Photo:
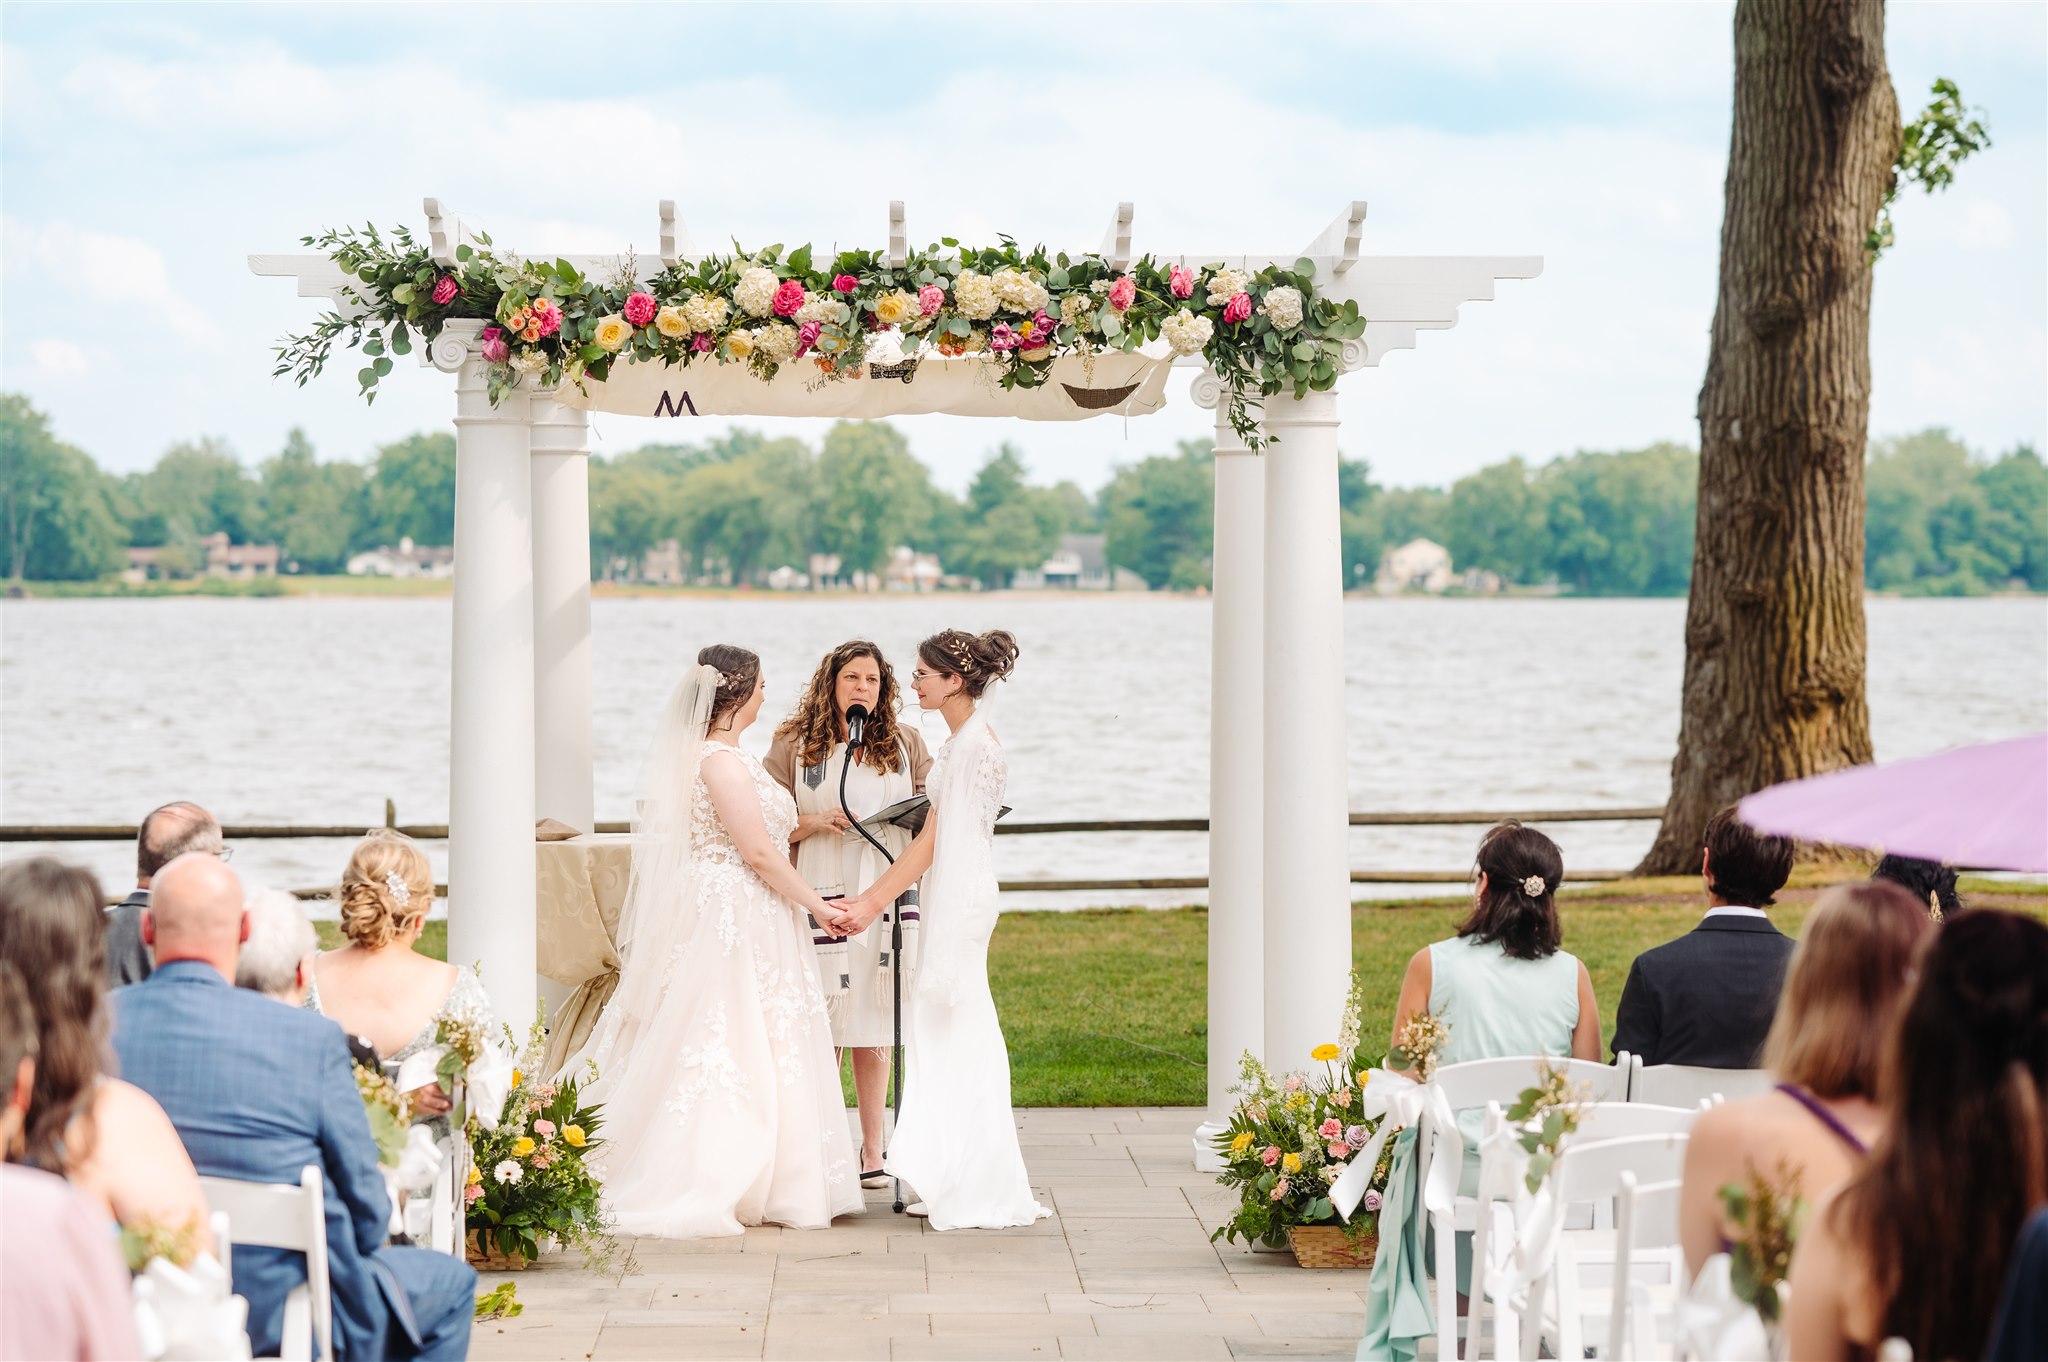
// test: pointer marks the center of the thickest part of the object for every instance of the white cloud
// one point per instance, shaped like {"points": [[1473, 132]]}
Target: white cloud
{"points": [[121, 271], [55, 360]]}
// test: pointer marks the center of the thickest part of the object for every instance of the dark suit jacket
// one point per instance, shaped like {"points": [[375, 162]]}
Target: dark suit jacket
{"points": [[128, 960], [1706, 998], [257, 1090]]}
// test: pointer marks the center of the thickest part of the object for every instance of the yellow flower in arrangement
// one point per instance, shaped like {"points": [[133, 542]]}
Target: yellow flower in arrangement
{"points": [[522, 1146], [739, 344], [476, 1175], [516, 1076], [1324, 1052], [671, 323], [1363, 1075], [1290, 1163], [1243, 1142], [891, 309], [573, 1135], [613, 332]]}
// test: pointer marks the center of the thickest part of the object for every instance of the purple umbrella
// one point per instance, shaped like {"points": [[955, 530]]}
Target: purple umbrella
{"points": [[1982, 807]]}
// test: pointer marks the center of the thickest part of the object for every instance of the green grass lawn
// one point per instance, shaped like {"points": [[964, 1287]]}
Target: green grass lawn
{"points": [[1108, 1006]]}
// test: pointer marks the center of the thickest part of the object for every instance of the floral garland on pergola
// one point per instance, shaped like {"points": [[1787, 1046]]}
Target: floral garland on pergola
{"points": [[1263, 333]]}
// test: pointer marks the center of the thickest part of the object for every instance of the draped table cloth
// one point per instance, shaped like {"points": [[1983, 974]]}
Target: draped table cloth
{"points": [[581, 885]]}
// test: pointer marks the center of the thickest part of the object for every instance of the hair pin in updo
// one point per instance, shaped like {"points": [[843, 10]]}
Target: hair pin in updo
{"points": [[718, 678], [1533, 886], [395, 882]]}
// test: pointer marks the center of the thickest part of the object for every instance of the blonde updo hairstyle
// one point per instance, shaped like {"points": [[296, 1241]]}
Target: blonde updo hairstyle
{"points": [[977, 659], [373, 914]]}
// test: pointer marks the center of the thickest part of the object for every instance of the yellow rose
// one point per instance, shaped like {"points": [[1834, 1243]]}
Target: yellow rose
{"points": [[573, 1135], [515, 1078], [521, 1147], [1242, 1142], [1290, 1163], [669, 322], [892, 308], [476, 1175], [739, 345], [1363, 1075], [1324, 1052], [613, 332]]}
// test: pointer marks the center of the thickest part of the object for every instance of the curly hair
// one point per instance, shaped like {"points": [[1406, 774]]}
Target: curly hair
{"points": [[372, 913], [816, 724], [977, 659], [741, 670], [53, 931]]}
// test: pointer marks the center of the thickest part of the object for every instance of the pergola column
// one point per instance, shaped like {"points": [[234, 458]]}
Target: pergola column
{"points": [[1307, 875], [1237, 607], [491, 728], [561, 613]]}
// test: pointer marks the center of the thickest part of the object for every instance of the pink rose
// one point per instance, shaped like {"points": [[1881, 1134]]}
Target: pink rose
{"points": [[1238, 308], [493, 346], [445, 289], [930, 299], [1331, 1129], [1372, 1201], [807, 336], [1123, 293], [1002, 338], [547, 318], [473, 1194], [789, 298], [845, 283], [1339, 1150], [701, 342], [1270, 1155], [640, 308], [544, 1128], [1180, 282]]}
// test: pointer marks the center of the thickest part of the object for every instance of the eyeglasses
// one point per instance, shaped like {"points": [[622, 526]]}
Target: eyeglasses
{"points": [[922, 675], [226, 853]]}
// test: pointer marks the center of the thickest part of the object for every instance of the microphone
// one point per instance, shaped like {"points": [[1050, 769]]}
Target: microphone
{"points": [[856, 724]]}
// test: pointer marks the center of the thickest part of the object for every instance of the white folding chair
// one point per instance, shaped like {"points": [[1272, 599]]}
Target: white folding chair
{"points": [[1591, 1172], [1645, 1226], [1688, 1085], [281, 1216], [1472, 1085]]}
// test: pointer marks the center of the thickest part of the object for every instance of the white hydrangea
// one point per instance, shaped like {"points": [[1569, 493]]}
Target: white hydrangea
{"points": [[508, 1172], [1186, 332], [775, 343], [706, 311], [1077, 311], [974, 296], [530, 362], [1283, 307], [1018, 291], [755, 293], [823, 307], [1227, 284]]}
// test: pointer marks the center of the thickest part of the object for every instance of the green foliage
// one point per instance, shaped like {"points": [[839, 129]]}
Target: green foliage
{"points": [[56, 507], [1768, 1217], [1158, 516], [1009, 526], [313, 511], [500, 1302], [411, 492], [870, 491], [1941, 522], [1942, 137]]}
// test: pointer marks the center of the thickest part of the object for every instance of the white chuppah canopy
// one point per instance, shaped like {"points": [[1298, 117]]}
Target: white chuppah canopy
{"points": [[1279, 864]]}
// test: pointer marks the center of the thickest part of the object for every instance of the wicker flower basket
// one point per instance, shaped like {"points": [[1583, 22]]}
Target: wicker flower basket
{"points": [[490, 1259], [1330, 1246]]}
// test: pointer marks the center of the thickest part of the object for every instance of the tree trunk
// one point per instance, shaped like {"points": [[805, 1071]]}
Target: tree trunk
{"points": [[1774, 633]]}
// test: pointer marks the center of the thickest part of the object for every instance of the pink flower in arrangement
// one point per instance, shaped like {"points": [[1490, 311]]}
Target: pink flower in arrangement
{"points": [[930, 299], [547, 318], [640, 308], [1279, 1190], [1238, 308], [1270, 1155], [445, 289], [545, 1093], [1339, 1150], [807, 336], [473, 1193], [1293, 1083], [845, 283], [544, 1128], [789, 298], [1356, 1136], [701, 342], [1180, 281], [493, 346], [1123, 293], [1344, 1097], [1372, 1201], [1331, 1129], [1001, 338]]}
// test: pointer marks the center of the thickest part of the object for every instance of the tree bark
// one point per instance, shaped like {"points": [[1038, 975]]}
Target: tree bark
{"points": [[1774, 630]]}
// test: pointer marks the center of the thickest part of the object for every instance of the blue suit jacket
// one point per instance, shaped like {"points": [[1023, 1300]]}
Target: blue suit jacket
{"points": [[258, 1090]]}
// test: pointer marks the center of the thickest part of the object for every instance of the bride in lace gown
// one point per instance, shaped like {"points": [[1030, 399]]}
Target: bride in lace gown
{"points": [[721, 1099], [956, 1141]]}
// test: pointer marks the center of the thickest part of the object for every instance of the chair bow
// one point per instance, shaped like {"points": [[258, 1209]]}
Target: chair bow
{"points": [[1395, 1100], [489, 1079]]}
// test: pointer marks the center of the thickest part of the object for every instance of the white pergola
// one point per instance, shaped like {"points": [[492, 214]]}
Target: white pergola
{"points": [[520, 727]]}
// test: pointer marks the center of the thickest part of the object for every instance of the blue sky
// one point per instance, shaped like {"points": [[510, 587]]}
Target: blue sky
{"points": [[146, 151]]}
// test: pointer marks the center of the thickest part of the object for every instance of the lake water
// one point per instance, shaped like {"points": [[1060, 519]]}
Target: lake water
{"points": [[307, 710]]}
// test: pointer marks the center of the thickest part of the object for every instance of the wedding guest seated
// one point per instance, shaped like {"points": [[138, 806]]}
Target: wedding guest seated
{"points": [[63, 1286], [277, 959], [166, 834], [259, 1092], [1933, 883], [2020, 1333], [1848, 978], [108, 1138], [378, 986], [1708, 997], [1917, 1244]]}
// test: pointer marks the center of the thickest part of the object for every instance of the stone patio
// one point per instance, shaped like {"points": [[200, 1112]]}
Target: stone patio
{"points": [[1123, 1270]]}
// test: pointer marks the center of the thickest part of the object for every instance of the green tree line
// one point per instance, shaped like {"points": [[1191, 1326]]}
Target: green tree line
{"points": [[1941, 520]]}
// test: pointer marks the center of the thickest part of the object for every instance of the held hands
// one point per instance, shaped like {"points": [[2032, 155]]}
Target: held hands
{"points": [[857, 912]]}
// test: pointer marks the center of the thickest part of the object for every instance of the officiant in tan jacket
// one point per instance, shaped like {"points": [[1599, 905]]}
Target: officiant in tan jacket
{"points": [[805, 759]]}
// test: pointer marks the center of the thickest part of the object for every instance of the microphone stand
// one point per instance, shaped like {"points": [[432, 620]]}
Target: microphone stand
{"points": [[895, 952]]}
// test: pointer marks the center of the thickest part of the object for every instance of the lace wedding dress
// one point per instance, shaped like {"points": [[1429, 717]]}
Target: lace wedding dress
{"points": [[721, 1100], [956, 1141]]}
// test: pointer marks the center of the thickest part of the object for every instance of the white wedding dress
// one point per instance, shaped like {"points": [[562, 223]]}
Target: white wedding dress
{"points": [[956, 1141], [721, 1100]]}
